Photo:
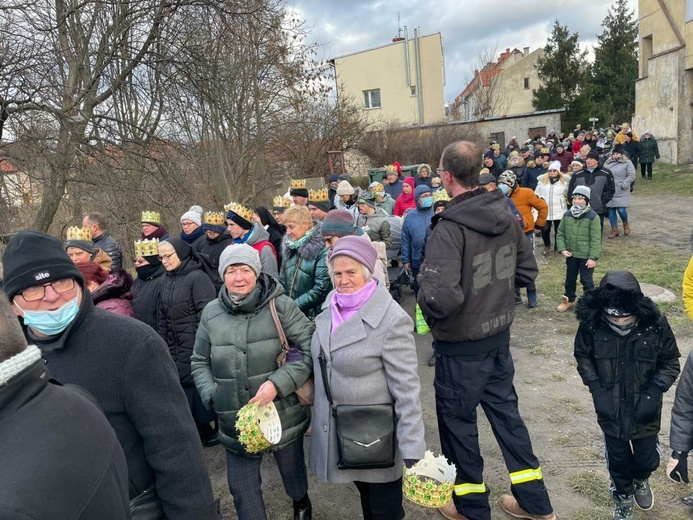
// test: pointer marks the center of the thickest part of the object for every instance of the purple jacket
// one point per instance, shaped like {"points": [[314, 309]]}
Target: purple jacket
{"points": [[115, 294]]}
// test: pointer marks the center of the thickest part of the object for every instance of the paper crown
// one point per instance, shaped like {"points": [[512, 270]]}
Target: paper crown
{"points": [[214, 218], [227, 207], [441, 195], [240, 210], [151, 216], [319, 195], [281, 202], [147, 247], [298, 184], [391, 168], [495, 146], [544, 151], [78, 233], [483, 171], [258, 427], [430, 482]]}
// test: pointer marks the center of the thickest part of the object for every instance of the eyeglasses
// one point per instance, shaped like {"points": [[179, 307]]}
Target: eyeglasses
{"points": [[33, 294], [166, 257], [330, 242], [187, 224], [440, 171]]}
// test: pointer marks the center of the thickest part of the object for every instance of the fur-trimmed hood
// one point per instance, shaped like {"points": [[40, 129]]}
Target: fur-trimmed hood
{"points": [[620, 290], [311, 249], [117, 285]]}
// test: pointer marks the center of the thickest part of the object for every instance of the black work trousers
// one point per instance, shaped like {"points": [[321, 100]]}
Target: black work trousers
{"points": [[630, 460], [461, 385], [381, 500]]}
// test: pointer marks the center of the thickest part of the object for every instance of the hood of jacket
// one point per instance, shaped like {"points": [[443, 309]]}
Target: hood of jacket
{"points": [[311, 249], [259, 234], [420, 190], [621, 290], [485, 212], [267, 288], [117, 285]]}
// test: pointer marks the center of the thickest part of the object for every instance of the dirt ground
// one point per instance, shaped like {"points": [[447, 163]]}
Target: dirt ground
{"points": [[554, 403]]}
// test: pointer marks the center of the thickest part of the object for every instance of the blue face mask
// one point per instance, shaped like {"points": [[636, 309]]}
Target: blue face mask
{"points": [[427, 202], [51, 323], [504, 188]]}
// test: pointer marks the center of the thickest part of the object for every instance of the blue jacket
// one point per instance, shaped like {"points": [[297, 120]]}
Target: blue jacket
{"points": [[416, 222]]}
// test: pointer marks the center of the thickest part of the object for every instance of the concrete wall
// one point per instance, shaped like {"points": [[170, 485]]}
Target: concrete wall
{"points": [[385, 68]]}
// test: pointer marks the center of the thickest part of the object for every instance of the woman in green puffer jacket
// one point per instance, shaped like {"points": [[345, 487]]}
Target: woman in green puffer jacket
{"points": [[235, 363], [304, 262]]}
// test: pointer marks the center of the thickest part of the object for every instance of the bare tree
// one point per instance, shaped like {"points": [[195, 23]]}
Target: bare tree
{"points": [[484, 96]]}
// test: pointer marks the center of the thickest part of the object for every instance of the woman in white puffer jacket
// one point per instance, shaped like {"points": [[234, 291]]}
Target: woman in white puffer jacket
{"points": [[552, 186]]}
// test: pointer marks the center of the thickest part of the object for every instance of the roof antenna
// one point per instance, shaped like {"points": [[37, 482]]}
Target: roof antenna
{"points": [[399, 28]]}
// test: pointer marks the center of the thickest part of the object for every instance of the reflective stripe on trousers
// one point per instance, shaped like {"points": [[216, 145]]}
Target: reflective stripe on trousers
{"points": [[526, 475], [467, 488]]}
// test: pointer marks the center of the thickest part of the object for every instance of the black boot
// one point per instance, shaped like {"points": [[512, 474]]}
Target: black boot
{"points": [[303, 509]]}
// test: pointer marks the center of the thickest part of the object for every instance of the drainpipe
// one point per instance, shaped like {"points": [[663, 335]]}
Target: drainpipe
{"points": [[406, 55], [417, 54]]}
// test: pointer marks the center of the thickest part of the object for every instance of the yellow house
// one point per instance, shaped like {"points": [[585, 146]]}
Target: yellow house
{"points": [[664, 88], [401, 82]]}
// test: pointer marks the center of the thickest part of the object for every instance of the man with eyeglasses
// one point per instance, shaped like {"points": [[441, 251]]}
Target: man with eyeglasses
{"points": [[123, 363]]}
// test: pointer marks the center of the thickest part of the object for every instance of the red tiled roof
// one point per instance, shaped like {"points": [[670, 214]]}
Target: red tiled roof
{"points": [[7, 167]]}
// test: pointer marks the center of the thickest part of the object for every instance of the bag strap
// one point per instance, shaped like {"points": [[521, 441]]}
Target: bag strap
{"points": [[281, 359], [323, 370], [291, 290]]}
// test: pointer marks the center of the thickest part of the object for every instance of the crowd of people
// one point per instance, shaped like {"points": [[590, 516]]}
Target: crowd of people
{"points": [[163, 363]]}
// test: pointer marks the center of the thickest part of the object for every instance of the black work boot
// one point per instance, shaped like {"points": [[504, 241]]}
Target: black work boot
{"points": [[303, 509]]}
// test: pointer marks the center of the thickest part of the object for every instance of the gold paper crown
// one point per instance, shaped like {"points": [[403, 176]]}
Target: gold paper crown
{"points": [[258, 427], [214, 218], [151, 216], [147, 247], [298, 184], [544, 151], [495, 147], [391, 168], [441, 195], [281, 202], [227, 207], [319, 195], [240, 210], [78, 233], [430, 482], [483, 171]]}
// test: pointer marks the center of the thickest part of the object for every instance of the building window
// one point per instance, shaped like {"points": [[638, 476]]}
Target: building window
{"points": [[645, 55], [413, 90], [371, 98], [526, 83]]}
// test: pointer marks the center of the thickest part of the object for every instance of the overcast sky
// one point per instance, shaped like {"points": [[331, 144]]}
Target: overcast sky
{"points": [[468, 27]]}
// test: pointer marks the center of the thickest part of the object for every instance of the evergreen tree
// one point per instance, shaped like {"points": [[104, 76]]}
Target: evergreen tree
{"points": [[615, 66], [563, 73]]}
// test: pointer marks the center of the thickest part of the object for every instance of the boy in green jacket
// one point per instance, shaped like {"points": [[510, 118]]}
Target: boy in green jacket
{"points": [[579, 240]]}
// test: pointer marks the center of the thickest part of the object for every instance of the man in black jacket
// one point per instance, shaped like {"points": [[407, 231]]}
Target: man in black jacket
{"points": [[473, 258], [60, 458], [627, 356], [599, 179], [123, 363], [102, 238]]}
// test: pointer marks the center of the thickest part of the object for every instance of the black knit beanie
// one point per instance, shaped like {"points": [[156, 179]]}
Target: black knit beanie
{"points": [[322, 205], [34, 258], [237, 219]]}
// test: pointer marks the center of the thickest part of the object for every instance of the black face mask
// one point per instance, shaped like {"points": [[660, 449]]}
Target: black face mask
{"points": [[144, 272]]}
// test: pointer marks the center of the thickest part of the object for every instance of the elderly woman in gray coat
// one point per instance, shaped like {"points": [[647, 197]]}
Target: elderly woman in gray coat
{"points": [[370, 358], [624, 175]]}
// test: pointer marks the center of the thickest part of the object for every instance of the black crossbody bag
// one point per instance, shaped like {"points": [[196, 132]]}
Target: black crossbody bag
{"points": [[365, 432]]}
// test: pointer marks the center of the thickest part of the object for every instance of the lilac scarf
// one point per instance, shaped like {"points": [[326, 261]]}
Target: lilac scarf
{"points": [[344, 306]]}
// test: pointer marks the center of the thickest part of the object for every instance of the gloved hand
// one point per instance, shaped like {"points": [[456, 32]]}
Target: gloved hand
{"points": [[677, 467], [648, 407], [411, 462], [293, 355]]}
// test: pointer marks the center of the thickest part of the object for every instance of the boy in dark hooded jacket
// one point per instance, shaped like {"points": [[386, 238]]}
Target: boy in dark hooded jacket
{"points": [[627, 355]]}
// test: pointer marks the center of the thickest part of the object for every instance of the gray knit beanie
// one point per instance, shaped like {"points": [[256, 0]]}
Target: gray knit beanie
{"points": [[192, 216], [239, 254]]}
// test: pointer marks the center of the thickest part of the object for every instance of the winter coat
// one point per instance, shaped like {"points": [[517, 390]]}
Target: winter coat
{"points": [[624, 174], [102, 259], [414, 235], [387, 204], [370, 359], [304, 273], [108, 245], [600, 181], [126, 366], [501, 161], [394, 190], [564, 158], [580, 236], [621, 137], [681, 433], [352, 208], [212, 248], [531, 176], [526, 200], [377, 227], [146, 301], [396, 233], [554, 194], [649, 151], [60, 458], [470, 314], [633, 150], [268, 257], [236, 350], [422, 181], [625, 373], [115, 294], [184, 293], [688, 289], [404, 202]]}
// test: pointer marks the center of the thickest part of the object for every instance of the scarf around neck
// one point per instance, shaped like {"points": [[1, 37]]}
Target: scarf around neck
{"points": [[245, 237], [17, 363], [291, 244], [578, 211], [191, 237], [344, 306]]}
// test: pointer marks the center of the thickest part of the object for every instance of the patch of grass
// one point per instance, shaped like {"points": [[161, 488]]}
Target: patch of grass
{"points": [[591, 513], [529, 381], [541, 351], [557, 378], [667, 179], [585, 453], [592, 485], [569, 404]]}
